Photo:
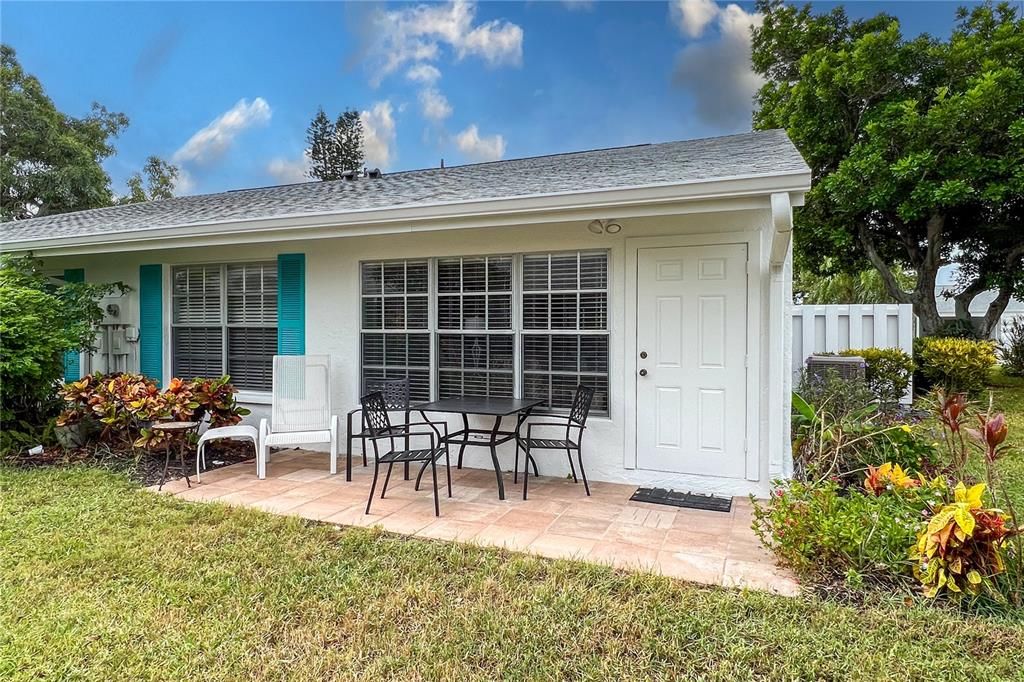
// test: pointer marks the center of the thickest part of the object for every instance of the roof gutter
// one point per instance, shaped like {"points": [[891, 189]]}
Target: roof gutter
{"points": [[438, 215]]}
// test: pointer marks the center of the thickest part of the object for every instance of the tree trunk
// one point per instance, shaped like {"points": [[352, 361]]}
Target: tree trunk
{"points": [[995, 312]]}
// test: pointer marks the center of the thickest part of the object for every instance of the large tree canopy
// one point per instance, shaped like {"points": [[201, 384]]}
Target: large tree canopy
{"points": [[51, 162], [916, 146]]}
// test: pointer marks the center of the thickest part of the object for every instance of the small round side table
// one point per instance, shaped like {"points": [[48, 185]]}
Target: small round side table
{"points": [[177, 433]]}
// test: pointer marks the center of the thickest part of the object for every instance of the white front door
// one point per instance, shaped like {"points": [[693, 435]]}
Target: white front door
{"points": [[691, 383]]}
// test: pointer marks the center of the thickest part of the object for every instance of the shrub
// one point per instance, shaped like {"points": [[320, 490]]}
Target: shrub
{"points": [[840, 395], [40, 321], [956, 365], [1011, 351], [126, 405], [961, 549], [887, 373], [824, 532]]}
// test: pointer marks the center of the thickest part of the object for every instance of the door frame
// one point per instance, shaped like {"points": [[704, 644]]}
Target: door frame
{"points": [[752, 239]]}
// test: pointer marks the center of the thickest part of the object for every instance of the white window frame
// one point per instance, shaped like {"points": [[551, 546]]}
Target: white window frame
{"points": [[224, 325]]}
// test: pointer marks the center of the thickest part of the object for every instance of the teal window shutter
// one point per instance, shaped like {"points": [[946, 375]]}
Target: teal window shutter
{"points": [[291, 304], [73, 359], [151, 322]]}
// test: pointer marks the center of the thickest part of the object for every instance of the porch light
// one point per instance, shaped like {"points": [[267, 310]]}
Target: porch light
{"points": [[596, 226], [613, 228]]}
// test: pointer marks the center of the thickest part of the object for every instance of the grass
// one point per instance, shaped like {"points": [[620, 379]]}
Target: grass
{"points": [[102, 580]]}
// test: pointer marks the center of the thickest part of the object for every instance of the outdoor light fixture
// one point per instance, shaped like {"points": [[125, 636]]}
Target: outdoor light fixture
{"points": [[602, 227]]}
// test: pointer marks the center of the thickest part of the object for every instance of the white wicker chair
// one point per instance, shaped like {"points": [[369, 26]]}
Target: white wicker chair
{"points": [[301, 410]]}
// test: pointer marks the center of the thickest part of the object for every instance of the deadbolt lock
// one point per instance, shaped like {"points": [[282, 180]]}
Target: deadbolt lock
{"points": [[643, 355]]}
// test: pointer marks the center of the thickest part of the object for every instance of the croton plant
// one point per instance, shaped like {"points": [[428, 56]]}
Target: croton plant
{"points": [[127, 404]]}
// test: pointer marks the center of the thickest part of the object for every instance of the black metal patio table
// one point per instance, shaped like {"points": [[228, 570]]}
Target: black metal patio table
{"points": [[498, 408]]}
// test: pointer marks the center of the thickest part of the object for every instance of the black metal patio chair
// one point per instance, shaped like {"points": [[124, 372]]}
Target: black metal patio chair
{"points": [[396, 398], [576, 419], [378, 423]]}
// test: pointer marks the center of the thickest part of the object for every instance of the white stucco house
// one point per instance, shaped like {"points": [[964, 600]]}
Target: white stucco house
{"points": [[658, 274]]}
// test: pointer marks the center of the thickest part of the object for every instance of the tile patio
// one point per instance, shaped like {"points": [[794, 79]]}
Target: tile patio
{"points": [[558, 521]]}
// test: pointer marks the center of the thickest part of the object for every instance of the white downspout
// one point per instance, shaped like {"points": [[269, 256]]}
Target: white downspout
{"points": [[780, 337]]}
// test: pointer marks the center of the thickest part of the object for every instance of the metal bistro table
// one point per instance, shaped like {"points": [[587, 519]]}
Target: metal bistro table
{"points": [[489, 438]]}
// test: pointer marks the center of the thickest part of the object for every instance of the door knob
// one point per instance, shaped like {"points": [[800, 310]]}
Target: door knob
{"points": [[643, 372]]}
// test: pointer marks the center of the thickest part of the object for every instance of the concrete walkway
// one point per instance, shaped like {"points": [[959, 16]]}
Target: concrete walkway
{"points": [[558, 521]]}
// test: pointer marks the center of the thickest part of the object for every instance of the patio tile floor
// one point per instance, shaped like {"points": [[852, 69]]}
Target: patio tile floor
{"points": [[558, 521]]}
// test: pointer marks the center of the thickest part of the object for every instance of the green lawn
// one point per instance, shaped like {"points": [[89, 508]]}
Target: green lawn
{"points": [[102, 580], [1008, 396]]}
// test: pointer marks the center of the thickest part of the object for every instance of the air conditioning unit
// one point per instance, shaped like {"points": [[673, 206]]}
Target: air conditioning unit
{"points": [[847, 367]]}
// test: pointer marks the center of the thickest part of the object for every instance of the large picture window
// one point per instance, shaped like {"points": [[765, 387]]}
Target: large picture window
{"points": [[533, 326], [224, 321]]}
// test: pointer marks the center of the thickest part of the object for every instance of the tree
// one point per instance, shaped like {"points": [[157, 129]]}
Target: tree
{"points": [[334, 147], [159, 183], [915, 146], [40, 320], [51, 162], [864, 287]]}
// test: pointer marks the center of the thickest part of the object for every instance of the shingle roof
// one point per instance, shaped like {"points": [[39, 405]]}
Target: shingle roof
{"points": [[758, 153]]}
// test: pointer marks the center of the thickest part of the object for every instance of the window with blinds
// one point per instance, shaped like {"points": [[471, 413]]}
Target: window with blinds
{"points": [[224, 321], [533, 326], [565, 327], [475, 339], [395, 334]]}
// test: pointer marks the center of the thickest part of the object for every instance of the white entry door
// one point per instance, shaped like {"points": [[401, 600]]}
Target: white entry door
{"points": [[691, 382]]}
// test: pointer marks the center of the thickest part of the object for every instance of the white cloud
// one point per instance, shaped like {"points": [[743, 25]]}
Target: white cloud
{"points": [[416, 34], [479, 148], [427, 74], [289, 171], [694, 15], [717, 72], [212, 141], [378, 134], [184, 184], [435, 106]]}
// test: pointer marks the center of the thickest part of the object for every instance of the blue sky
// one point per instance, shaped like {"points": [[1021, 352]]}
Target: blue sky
{"points": [[226, 90]]}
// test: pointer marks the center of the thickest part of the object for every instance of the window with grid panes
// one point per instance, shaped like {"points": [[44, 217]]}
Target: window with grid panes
{"points": [[224, 321], [395, 334], [475, 338], [565, 327]]}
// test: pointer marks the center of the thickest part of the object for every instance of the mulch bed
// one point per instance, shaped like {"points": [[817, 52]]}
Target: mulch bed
{"points": [[141, 466]]}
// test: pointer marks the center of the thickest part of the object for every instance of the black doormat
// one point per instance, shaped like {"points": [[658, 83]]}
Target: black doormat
{"points": [[687, 500]]}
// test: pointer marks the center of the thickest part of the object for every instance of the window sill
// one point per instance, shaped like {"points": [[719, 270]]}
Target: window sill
{"points": [[254, 397]]}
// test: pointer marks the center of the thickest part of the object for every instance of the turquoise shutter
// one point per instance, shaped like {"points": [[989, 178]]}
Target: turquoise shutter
{"points": [[151, 322], [291, 304], [73, 359]]}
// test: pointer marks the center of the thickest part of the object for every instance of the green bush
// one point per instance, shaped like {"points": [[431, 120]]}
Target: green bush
{"points": [[887, 373], [40, 321], [1011, 352], [823, 531], [956, 365]]}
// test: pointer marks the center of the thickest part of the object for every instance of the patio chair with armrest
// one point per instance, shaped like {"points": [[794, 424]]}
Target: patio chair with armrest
{"points": [[396, 399], [575, 420], [378, 423]]}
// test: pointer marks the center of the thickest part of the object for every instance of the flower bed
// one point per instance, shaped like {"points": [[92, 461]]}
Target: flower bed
{"points": [[878, 501]]}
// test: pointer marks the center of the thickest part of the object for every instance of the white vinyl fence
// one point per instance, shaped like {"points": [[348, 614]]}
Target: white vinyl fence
{"points": [[835, 328]]}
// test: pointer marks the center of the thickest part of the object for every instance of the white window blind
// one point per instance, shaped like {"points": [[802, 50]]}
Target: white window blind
{"points": [[224, 321], [395, 316], [565, 327], [532, 326], [474, 320]]}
